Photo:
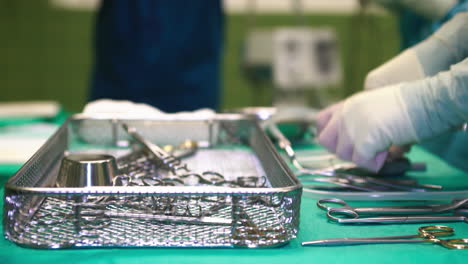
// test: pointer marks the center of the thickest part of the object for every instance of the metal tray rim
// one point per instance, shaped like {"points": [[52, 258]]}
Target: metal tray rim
{"points": [[152, 190], [186, 190]]}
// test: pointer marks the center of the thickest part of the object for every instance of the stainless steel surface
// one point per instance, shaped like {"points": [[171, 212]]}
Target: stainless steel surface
{"points": [[256, 205], [86, 170]]}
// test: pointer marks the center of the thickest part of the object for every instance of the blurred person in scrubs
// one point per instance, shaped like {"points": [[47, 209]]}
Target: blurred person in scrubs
{"points": [[420, 96], [163, 53], [420, 18]]}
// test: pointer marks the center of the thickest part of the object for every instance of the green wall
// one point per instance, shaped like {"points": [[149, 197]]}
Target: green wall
{"points": [[45, 53]]}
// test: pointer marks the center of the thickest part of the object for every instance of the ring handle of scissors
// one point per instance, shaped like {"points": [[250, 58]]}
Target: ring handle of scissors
{"points": [[212, 177], [322, 203], [431, 233], [172, 181], [207, 177], [334, 213], [120, 180], [435, 230], [456, 243], [151, 181], [251, 181]]}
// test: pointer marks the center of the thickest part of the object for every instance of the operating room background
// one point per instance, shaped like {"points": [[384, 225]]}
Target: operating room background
{"points": [[46, 52]]}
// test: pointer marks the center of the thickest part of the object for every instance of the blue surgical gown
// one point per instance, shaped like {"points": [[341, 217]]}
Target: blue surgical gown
{"points": [[415, 28], [165, 53]]}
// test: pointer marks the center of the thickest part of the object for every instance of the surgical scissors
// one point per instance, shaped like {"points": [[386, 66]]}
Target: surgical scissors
{"points": [[366, 184], [411, 209], [426, 233], [351, 215]]}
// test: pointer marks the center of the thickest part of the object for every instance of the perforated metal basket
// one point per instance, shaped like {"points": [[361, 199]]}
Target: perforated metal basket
{"points": [[39, 214]]}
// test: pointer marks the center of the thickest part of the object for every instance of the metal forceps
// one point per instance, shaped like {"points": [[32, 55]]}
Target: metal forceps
{"points": [[426, 234], [169, 162], [367, 183], [163, 158], [398, 214], [96, 217]]}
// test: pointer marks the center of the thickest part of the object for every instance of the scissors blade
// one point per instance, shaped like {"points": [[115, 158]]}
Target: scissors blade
{"points": [[386, 183], [357, 241], [399, 219], [454, 205], [400, 210], [328, 188], [340, 182]]}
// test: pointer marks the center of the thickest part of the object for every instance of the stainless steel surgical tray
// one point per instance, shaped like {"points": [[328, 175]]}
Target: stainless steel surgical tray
{"points": [[39, 214]]}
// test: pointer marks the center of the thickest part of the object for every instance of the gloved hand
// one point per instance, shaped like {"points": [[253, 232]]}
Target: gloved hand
{"points": [[338, 126], [364, 126], [444, 48]]}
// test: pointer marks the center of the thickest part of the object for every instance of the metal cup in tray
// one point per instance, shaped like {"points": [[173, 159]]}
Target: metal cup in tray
{"points": [[86, 170]]}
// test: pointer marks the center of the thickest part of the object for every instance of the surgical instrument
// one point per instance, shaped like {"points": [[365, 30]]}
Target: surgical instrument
{"points": [[181, 173], [425, 233], [362, 183], [100, 218], [402, 210], [286, 145], [366, 183], [183, 150], [393, 184], [351, 215], [355, 219], [163, 158]]}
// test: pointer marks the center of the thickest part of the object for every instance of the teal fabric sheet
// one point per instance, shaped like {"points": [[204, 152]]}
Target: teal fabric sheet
{"points": [[314, 225]]}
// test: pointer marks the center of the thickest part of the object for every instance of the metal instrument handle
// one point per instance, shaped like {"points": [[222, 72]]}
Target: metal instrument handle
{"points": [[353, 218], [403, 210], [427, 233], [356, 241]]}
